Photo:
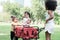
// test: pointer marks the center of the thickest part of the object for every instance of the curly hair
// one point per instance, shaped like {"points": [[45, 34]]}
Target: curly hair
{"points": [[50, 5]]}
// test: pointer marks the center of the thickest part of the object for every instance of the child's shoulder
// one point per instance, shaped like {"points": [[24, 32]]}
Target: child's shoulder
{"points": [[12, 22]]}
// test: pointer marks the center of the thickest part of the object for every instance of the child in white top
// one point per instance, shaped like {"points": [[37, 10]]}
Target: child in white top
{"points": [[49, 24], [26, 19]]}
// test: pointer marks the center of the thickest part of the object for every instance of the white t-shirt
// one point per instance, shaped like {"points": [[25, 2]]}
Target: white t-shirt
{"points": [[25, 20], [50, 24]]}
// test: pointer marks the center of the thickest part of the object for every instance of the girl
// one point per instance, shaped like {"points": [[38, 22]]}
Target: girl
{"points": [[14, 23], [49, 24], [26, 19]]}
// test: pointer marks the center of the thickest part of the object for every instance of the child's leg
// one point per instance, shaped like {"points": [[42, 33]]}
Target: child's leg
{"points": [[12, 35], [26, 39], [16, 38], [48, 36]]}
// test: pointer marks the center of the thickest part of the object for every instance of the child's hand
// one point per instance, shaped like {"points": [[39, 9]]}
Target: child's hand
{"points": [[46, 21]]}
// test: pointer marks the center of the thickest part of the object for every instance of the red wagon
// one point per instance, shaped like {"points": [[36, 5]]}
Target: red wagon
{"points": [[27, 32]]}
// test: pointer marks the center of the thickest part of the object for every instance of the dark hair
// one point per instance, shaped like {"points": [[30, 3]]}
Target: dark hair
{"points": [[27, 13], [13, 17], [51, 5]]}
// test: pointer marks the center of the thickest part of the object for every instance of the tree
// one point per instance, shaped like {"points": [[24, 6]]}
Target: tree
{"points": [[29, 10], [13, 8], [57, 18], [38, 9]]}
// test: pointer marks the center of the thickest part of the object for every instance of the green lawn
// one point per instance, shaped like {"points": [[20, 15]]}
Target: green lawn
{"points": [[5, 29]]}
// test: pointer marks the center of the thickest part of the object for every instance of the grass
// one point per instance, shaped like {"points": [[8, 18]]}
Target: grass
{"points": [[5, 29]]}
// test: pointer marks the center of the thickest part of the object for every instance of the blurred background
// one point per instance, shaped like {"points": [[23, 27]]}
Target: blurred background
{"points": [[16, 8]]}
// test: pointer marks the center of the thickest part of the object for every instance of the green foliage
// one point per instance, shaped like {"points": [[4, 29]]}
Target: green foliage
{"points": [[38, 9], [57, 18], [13, 8], [29, 10]]}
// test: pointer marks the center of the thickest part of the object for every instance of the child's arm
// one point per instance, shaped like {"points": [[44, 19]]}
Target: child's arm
{"points": [[51, 15], [12, 27], [29, 21]]}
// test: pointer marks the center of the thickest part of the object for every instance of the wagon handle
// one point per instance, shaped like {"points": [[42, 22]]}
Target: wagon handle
{"points": [[41, 29]]}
